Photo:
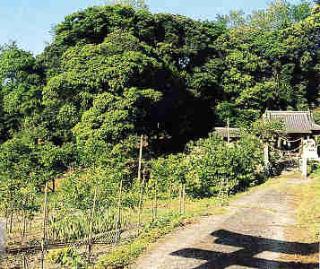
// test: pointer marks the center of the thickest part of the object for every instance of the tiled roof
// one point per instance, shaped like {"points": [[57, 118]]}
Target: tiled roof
{"points": [[294, 121], [223, 131]]}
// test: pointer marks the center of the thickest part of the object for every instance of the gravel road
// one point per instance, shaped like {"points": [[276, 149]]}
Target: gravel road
{"points": [[249, 235]]}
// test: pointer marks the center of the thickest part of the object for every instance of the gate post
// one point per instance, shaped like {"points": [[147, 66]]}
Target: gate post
{"points": [[304, 167], [266, 157]]}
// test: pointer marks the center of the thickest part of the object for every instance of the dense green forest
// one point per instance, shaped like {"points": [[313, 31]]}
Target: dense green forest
{"points": [[113, 73]]}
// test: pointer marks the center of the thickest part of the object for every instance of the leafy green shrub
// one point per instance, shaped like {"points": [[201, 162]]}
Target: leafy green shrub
{"points": [[71, 225], [210, 166], [77, 189], [125, 254], [217, 165], [66, 258], [169, 173]]}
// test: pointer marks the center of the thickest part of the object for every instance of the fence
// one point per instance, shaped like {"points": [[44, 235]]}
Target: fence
{"points": [[29, 239]]}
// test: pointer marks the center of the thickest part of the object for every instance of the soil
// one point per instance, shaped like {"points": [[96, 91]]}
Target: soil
{"points": [[251, 234]]}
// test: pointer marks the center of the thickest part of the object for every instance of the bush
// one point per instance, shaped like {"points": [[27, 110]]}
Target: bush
{"points": [[211, 165], [66, 258]]}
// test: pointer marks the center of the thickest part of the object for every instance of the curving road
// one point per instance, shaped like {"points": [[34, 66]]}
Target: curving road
{"points": [[250, 235]]}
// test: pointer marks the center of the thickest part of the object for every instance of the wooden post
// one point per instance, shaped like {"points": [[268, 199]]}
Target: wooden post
{"points": [[6, 214], [140, 204], [91, 225], [141, 183], [228, 129], [53, 185], [25, 266], [304, 167], [180, 199], [184, 198], [155, 205], [24, 230], [222, 186], [227, 187], [44, 226], [118, 225], [11, 221], [266, 157], [140, 158], [319, 250]]}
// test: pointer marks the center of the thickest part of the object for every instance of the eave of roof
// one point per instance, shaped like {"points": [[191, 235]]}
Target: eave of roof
{"points": [[295, 122]]}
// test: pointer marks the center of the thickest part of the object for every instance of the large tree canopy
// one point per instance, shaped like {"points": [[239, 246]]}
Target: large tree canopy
{"points": [[114, 72]]}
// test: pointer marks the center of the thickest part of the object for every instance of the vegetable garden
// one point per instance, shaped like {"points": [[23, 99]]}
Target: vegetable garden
{"points": [[94, 216]]}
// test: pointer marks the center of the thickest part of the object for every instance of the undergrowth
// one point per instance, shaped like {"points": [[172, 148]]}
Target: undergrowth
{"points": [[125, 254]]}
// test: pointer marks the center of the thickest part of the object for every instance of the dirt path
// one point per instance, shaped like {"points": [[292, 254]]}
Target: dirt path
{"points": [[249, 235]]}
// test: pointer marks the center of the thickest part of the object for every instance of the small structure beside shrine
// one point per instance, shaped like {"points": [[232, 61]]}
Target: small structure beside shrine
{"points": [[228, 133]]}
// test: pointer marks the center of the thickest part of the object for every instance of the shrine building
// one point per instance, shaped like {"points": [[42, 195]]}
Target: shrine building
{"points": [[298, 133]]}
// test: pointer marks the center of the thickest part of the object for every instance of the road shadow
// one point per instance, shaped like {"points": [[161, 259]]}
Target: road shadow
{"points": [[249, 247]]}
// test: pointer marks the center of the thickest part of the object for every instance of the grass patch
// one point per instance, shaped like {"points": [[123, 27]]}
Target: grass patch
{"points": [[308, 211], [305, 201]]}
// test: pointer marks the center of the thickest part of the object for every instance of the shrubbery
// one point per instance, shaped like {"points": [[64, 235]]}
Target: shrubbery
{"points": [[212, 165], [67, 258]]}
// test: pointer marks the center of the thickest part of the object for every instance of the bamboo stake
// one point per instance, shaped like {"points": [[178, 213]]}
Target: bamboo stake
{"points": [[118, 224], [25, 264], [53, 185], [6, 214], [91, 224], [266, 157], [139, 180], [140, 204], [11, 221], [44, 227], [228, 129], [184, 198], [24, 232], [180, 199], [155, 209], [24, 225], [140, 158]]}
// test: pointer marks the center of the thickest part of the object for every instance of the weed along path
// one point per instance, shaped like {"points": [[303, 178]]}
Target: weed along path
{"points": [[251, 234]]}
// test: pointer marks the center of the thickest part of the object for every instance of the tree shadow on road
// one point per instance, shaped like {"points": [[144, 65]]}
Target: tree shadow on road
{"points": [[249, 247]]}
